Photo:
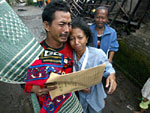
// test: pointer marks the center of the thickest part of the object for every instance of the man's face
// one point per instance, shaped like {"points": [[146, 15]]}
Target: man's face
{"points": [[60, 27], [101, 18]]}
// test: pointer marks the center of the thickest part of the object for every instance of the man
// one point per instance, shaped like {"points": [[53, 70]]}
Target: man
{"points": [[104, 37], [57, 58]]}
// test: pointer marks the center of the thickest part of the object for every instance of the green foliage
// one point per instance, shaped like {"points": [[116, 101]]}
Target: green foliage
{"points": [[134, 62], [7, 1], [29, 2]]}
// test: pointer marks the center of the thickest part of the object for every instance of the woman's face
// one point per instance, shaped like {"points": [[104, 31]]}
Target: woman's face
{"points": [[78, 40]]}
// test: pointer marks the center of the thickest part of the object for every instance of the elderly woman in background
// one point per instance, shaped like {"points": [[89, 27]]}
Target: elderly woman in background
{"points": [[91, 99]]}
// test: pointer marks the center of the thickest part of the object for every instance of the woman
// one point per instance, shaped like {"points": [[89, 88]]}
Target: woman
{"points": [[91, 99]]}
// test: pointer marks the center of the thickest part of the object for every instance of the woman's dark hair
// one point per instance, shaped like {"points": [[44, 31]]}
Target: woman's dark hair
{"points": [[52, 7], [79, 22]]}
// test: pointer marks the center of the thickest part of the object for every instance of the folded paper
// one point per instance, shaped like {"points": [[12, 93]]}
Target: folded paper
{"points": [[75, 81]]}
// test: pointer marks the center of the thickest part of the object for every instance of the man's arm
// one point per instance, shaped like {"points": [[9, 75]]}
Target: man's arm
{"points": [[114, 45], [111, 55]]}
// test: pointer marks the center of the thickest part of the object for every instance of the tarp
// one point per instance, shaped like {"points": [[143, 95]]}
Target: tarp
{"points": [[18, 47]]}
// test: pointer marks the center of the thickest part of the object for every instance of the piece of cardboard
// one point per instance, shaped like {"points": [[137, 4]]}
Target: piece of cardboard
{"points": [[75, 81]]}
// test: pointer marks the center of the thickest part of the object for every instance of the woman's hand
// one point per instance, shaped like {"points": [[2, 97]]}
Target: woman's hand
{"points": [[87, 90], [111, 83]]}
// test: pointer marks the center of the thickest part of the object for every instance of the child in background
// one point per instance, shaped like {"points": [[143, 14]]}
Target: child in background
{"points": [[40, 3], [35, 2], [146, 97]]}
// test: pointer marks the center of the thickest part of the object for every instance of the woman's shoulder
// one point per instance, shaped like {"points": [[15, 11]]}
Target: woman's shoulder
{"points": [[95, 51], [96, 56]]}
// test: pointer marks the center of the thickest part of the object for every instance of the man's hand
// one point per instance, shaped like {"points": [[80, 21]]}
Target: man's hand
{"points": [[111, 83], [87, 90], [41, 91]]}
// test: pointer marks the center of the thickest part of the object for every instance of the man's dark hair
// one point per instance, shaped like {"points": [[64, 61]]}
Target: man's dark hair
{"points": [[52, 7], [79, 22], [102, 7]]}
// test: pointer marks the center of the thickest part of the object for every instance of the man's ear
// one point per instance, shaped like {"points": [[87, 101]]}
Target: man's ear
{"points": [[46, 25]]}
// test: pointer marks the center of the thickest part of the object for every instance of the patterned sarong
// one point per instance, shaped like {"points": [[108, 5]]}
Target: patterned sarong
{"points": [[18, 47]]}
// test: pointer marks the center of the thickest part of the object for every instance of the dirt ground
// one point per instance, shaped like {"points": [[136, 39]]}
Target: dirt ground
{"points": [[126, 97], [14, 100]]}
